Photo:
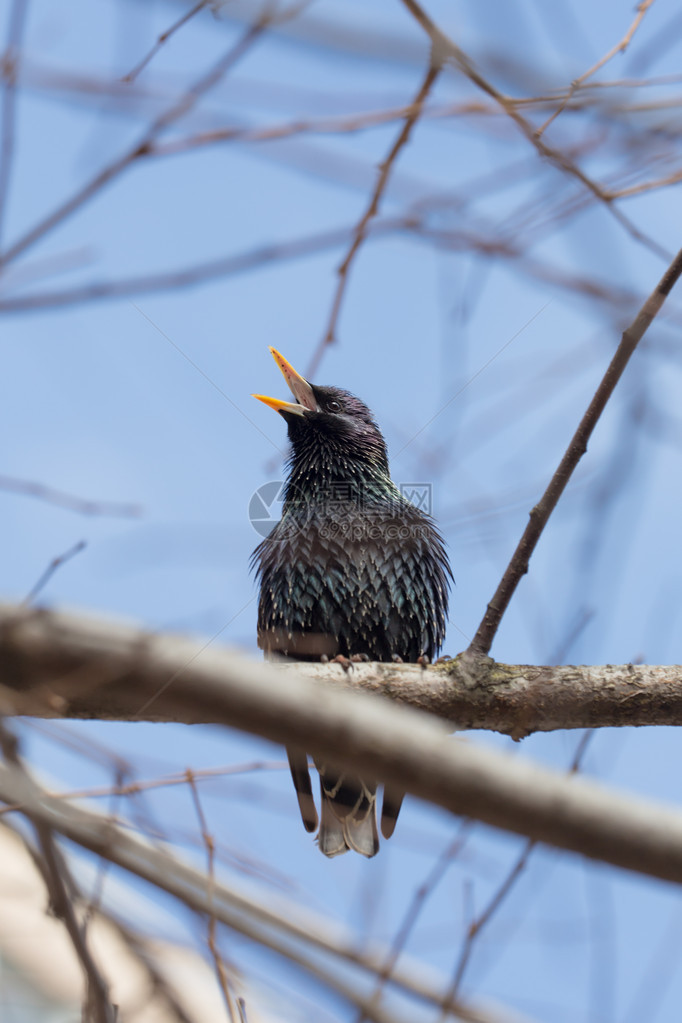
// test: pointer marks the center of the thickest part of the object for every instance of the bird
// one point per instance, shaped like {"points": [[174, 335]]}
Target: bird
{"points": [[351, 571]]}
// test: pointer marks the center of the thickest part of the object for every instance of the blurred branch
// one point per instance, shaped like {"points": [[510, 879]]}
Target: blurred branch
{"points": [[298, 935], [425, 889], [445, 49], [97, 1007], [57, 664], [197, 274], [620, 47], [454, 240], [78, 504], [56, 563], [346, 124], [360, 232], [500, 894], [9, 69], [163, 38], [127, 158], [207, 838], [539, 516]]}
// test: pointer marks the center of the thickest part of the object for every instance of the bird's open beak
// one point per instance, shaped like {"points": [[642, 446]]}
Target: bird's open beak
{"points": [[299, 387]]}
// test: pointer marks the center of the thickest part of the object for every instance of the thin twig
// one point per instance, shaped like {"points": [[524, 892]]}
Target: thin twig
{"points": [[360, 232], [620, 47], [481, 921], [346, 124], [139, 149], [163, 38], [284, 928], [187, 277], [56, 563], [460, 240], [207, 839], [647, 186], [539, 516], [82, 505], [444, 48], [9, 68], [97, 1007], [426, 888]]}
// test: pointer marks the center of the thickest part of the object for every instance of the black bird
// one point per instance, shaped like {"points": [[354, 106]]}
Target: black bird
{"points": [[352, 569]]}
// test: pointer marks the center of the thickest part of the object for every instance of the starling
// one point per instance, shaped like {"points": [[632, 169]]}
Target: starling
{"points": [[351, 570]]}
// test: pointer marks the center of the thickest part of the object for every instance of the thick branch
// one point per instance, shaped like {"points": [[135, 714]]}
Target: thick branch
{"points": [[45, 652], [56, 665]]}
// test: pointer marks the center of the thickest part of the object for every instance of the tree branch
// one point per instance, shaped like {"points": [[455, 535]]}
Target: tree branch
{"points": [[139, 149], [444, 48], [53, 661], [360, 232], [299, 935], [97, 1007], [58, 665], [539, 516]]}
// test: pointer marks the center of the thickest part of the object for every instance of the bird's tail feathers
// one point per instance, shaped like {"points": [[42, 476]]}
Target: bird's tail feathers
{"points": [[298, 765], [331, 839], [390, 808], [348, 815]]}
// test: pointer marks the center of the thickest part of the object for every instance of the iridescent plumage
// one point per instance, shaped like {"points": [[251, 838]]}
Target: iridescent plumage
{"points": [[352, 568]]}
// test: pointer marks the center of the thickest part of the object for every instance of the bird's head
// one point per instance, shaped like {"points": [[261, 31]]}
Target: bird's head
{"points": [[327, 422]]}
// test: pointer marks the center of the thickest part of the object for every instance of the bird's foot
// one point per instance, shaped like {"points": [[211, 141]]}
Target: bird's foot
{"points": [[359, 658], [397, 659], [424, 660], [345, 662]]}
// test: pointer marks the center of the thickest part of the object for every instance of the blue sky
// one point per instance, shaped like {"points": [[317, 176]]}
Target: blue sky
{"points": [[478, 368]]}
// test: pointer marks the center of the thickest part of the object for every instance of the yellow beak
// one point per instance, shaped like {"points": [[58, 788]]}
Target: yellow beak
{"points": [[299, 387]]}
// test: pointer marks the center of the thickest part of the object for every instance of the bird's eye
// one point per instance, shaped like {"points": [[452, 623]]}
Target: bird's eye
{"points": [[333, 406]]}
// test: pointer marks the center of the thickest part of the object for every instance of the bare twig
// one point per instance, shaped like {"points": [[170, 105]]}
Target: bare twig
{"points": [[445, 49], [428, 886], [347, 124], [620, 47], [97, 1007], [647, 186], [498, 897], [539, 516], [139, 149], [56, 563], [83, 505], [297, 935], [207, 839], [479, 922], [189, 276], [163, 38], [373, 208], [10, 73]]}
